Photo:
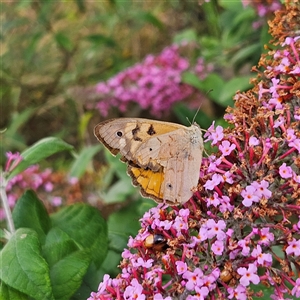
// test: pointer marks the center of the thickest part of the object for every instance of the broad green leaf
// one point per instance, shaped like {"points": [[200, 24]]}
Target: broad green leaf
{"points": [[68, 263], [39, 151], [85, 226], [58, 244], [91, 281], [122, 224], [30, 212], [22, 266], [67, 274], [80, 164], [9, 293]]}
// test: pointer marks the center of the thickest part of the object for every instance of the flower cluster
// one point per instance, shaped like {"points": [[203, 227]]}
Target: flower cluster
{"points": [[242, 226], [154, 84], [43, 181]]}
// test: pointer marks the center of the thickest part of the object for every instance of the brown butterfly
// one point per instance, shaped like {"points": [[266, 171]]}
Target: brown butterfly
{"points": [[163, 158]]}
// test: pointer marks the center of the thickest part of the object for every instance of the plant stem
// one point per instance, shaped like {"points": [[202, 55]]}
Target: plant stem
{"points": [[7, 210]]}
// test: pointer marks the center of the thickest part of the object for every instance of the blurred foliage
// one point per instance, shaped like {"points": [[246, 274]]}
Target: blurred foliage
{"points": [[49, 47]]}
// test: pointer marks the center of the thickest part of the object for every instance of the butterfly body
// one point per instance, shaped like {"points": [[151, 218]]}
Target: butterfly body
{"points": [[163, 158]]}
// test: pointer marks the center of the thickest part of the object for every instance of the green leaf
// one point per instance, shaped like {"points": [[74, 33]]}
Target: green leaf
{"points": [[193, 80], [231, 5], [19, 119], [22, 266], [68, 263], [30, 212], [119, 167], [39, 151], [213, 84], [63, 41], [91, 281], [100, 39], [187, 35], [186, 115], [230, 88], [122, 224], [31, 49], [81, 5], [83, 124], [8, 293], [119, 191], [246, 52], [80, 164], [148, 17], [85, 226]]}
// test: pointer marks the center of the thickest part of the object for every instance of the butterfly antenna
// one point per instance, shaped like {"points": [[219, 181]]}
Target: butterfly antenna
{"points": [[196, 114], [199, 108], [188, 120]]}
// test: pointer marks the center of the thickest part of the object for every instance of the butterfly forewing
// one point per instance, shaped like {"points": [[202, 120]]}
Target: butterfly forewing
{"points": [[163, 158]]}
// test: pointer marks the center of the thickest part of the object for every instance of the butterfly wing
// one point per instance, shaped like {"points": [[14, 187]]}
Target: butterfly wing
{"points": [[126, 135], [163, 158], [178, 155]]}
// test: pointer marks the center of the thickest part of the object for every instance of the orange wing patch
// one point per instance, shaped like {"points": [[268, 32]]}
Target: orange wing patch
{"points": [[150, 182]]}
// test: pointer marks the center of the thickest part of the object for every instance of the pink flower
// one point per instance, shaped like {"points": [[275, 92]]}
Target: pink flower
{"points": [[181, 267], [285, 171], [245, 246], [226, 148], [249, 196], [217, 247], [262, 258], [296, 289], [216, 135], [253, 141], [295, 143], [293, 247], [160, 297], [193, 278], [216, 229], [213, 200], [248, 275], [290, 135], [238, 293], [134, 291], [216, 179], [262, 189], [56, 201], [266, 236]]}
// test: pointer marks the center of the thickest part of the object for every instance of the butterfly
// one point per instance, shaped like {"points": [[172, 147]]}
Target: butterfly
{"points": [[162, 158]]}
